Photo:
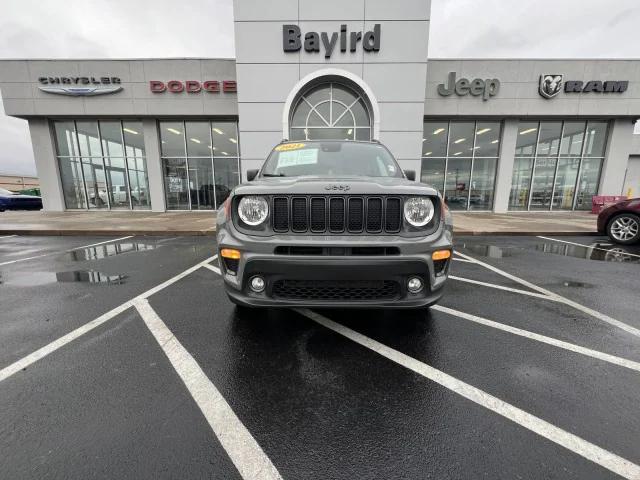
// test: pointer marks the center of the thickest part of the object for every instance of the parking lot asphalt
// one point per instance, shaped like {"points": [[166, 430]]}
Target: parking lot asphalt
{"points": [[123, 358]]}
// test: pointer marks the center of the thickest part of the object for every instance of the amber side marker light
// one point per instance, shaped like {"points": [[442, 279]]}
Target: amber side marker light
{"points": [[231, 253], [441, 254]]}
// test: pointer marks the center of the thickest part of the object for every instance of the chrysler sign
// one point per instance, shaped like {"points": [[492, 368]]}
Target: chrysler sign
{"points": [[80, 86]]}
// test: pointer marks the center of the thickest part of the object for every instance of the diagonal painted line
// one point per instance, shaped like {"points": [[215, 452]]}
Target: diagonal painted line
{"points": [[64, 251], [585, 246], [212, 268], [589, 311], [461, 260], [502, 287], [588, 450], [245, 453], [622, 362], [87, 327]]}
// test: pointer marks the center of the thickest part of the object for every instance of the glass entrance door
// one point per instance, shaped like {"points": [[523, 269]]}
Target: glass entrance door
{"points": [[542, 188]]}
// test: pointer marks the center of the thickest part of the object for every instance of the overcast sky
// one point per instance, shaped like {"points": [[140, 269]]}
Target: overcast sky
{"points": [[204, 28]]}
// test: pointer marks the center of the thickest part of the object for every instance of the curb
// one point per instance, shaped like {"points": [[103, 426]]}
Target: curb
{"points": [[498, 233]]}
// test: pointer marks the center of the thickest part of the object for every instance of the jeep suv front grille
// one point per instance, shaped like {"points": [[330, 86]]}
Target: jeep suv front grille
{"points": [[333, 214]]}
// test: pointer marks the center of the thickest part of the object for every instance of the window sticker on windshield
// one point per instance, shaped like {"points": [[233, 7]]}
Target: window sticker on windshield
{"points": [[289, 146], [298, 157]]}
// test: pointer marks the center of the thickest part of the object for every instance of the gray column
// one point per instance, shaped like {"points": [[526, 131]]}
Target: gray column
{"points": [[617, 156], [46, 165], [504, 172], [154, 165]]}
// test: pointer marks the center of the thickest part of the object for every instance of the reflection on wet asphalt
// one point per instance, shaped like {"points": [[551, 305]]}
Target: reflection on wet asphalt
{"points": [[32, 279], [109, 250], [604, 252]]}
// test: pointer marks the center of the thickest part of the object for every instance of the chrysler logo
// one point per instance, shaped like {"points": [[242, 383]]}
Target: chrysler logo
{"points": [[81, 91], [550, 85], [338, 188]]}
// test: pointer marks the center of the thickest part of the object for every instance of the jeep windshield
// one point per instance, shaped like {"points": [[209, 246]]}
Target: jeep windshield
{"points": [[330, 159]]}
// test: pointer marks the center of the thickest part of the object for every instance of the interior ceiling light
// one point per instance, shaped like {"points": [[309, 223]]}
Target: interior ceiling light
{"points": [[173, 130], [438, 131], [460, 140], [528, 130]]}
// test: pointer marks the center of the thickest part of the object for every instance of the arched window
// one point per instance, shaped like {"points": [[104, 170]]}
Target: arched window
{"points": [[330, 111]]}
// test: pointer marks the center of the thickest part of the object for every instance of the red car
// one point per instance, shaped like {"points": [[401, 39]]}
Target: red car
{"points": [[621, 221]]}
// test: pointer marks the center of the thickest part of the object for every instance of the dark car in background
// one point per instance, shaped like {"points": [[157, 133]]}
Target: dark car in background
{"points": [[621, 221], [16, 201]]}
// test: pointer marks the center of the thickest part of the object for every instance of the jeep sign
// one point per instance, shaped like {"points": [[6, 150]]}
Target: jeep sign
{"points": [[477, 87]]}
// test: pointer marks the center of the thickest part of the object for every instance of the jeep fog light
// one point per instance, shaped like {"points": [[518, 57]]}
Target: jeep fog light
{"points": [[414, 285], [257, 284]]}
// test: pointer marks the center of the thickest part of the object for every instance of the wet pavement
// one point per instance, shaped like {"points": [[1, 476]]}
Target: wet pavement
{"points": [[112, 399]]}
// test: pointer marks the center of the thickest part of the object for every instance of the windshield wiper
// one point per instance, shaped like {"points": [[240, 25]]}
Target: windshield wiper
{"points": [[273, 175]]}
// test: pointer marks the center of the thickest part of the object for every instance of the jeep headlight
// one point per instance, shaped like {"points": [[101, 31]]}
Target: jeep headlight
{"points": [[418, 211], [253, 210]]}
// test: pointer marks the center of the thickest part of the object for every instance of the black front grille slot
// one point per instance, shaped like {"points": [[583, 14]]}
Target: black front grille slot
{"points": [[336, 290], [356, 214], [280, 214], [318, 214], [299, 214], [393, 215], [374, 215], [336, 215]]}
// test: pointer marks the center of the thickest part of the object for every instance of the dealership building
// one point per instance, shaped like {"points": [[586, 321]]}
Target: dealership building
{"points": [[178, 134]]}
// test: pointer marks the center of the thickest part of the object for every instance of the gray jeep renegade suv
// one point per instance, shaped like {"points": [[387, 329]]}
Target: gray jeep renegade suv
{"points": [[333, 224]]}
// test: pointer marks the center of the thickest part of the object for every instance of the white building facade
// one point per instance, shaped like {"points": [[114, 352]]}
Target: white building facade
{"points": [[178, 134]]}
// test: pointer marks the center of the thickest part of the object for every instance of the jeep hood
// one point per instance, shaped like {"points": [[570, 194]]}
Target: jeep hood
{"points": [[317, 185]]}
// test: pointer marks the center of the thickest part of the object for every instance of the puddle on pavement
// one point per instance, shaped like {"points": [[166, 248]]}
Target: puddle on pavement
{"points": [[603, 252], [571, 283], [34, 279], [109, 250]]}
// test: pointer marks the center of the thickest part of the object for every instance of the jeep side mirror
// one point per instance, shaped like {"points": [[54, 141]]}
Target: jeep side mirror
{"points": [[251, 174], [410, 174]]}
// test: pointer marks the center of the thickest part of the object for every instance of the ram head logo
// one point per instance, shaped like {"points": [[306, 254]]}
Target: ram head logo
{"points": [[550, 85]]}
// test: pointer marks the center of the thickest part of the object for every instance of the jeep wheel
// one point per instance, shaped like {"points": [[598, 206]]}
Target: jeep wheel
{"points": [[624, 228]]}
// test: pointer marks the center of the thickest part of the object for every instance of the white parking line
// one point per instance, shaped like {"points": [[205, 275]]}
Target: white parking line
{"points": [[589, 311], [64, 251], [585, 246], [501, 287], [461, 260], [87, 327], [212, 268], [242, 448], [565, 439], [622, 362]]}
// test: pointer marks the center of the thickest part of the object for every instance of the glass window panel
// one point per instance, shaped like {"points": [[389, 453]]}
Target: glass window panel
{"points": [[139, 183], [572, 139], [111, 134], [297, 134], [339, 114], [96, 182], [198, 139], [133, 138], [363, 134], [299, 118], [588, 182], [318, 94], [487, 139], [88, 138], [226, 177], [360, 113], [72, 185], [343, 94], [482, 180], [330, 134], [322, 110], [117, 181], [201, 183], [434, 139], [433, 172], [456, 190], [461, 139], [66, 142], [549, 141], [175, 183], [596, 139], [565, 183], [520, 182], [225, 139], [526, 141], [172, 139], [543, 183]]}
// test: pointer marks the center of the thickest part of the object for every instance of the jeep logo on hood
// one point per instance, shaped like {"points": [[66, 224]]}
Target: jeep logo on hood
{"points": [[338, 188]]}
